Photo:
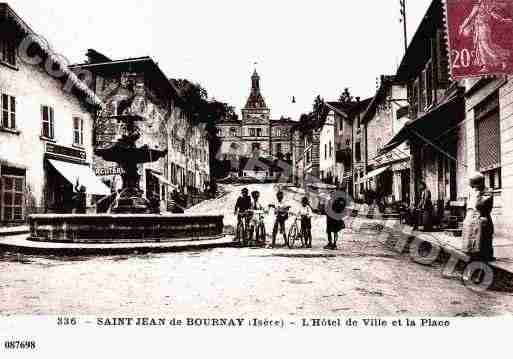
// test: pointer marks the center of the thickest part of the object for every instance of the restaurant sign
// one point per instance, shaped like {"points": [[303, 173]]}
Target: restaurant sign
{"points": [[68, 152], [108, 171]]}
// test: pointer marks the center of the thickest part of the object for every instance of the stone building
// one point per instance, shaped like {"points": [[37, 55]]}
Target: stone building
{"points": [[435, 131], [47, 117], [322, 144], [489, 145], [153, 96], [256, 135], [358, 148], [387, 174]]}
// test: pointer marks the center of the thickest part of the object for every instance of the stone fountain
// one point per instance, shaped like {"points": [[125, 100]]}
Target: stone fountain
{"points": [[128, 156], [130, 220]]}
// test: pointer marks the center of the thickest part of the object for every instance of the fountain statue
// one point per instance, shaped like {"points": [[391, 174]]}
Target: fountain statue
{"points": [[125, 153]]}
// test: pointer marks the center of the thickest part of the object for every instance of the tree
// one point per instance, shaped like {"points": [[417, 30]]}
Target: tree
{"points": [[205, 113], [345, 96]]}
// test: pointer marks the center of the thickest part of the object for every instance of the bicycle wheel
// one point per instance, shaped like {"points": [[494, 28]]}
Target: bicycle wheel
{"points": [[239, 233], [245, 235], [292, 237], [260, 233]]}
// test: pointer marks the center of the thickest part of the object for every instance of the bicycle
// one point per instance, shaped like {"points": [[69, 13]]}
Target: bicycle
{"points": [[296, 235], [241, 233], [259, 230]]}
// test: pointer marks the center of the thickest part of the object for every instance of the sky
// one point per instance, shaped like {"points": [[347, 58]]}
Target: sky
{"points": [[301, 48]]}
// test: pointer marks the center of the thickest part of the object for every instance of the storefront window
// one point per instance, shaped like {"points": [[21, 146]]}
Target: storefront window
{"points": [[12, 194]]}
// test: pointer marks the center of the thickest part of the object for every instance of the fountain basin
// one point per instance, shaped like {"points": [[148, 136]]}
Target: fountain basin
{"points": [[124, 228]]}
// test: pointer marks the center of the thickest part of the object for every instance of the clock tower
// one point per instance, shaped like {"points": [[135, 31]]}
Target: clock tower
{"points": [[255, 111]]}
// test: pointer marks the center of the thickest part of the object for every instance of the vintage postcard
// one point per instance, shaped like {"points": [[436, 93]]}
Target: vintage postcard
{"points": [[203, 178]]}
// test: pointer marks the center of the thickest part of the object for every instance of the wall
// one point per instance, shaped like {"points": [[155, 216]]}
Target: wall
{"points": [[327, 140], [503, 200], [33, 87]]}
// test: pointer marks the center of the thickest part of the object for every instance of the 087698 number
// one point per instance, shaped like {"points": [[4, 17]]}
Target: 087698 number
{"points": [[19, 344]]}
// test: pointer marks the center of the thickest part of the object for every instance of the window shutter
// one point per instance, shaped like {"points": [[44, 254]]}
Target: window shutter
{"points": [[442, 57], [489, 142], [51, 124], [488, 134]]}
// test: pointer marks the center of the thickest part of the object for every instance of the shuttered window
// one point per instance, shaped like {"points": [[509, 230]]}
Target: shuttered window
{"points": [[488, 134]]}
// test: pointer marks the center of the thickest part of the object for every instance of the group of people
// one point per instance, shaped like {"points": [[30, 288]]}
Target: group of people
{"points": [[478, 226], [246, 204]]}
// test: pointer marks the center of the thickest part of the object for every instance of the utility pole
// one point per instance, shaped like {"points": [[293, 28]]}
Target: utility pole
{"points": [[402, 3]]}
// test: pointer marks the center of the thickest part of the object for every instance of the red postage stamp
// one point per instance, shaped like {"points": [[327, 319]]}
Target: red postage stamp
{"points": [[480, 37]]}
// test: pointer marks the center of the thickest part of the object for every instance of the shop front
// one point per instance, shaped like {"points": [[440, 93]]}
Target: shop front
{"points": [[67, 173]]}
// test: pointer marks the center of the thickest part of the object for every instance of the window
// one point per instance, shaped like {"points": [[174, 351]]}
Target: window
{"points": [[8, 52], [331, 150], [233, 132], [12, 192], [8, 106], [429, 84], [422, 91], [325, 151], [277, 132], [48, 122], [252, 132], [488, 141], [78, 131], [341, 125], [358, 152], [259, 132], [414, 102], [278, 148]]}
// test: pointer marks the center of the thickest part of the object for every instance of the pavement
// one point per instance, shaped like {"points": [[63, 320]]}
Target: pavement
{"points": [[14, 230], [20, 244], [15, 238], [362, 278], [503, 247]]}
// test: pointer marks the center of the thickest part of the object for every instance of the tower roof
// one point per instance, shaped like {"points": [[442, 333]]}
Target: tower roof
{"points": [[255, 99]]}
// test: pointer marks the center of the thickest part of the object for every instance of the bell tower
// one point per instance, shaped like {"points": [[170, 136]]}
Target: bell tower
{"points": [[256, 108]]}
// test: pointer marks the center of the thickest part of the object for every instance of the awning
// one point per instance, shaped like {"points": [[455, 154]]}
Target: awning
{"points": [[162, 179], [432, 125], [374, 173], [83, 174]]}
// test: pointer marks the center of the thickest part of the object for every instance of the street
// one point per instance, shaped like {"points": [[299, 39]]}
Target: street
{"points": [[361, 278]]}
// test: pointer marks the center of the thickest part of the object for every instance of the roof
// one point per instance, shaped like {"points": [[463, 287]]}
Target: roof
{"points": [[7, 12], [347, 109], [432, 125], [255, 99], [386, 82], [418, 51], [138, 64], [284, 121]]}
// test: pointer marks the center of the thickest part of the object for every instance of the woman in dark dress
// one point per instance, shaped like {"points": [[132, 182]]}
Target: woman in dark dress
{"points": [[334, 220], [478, 226]]}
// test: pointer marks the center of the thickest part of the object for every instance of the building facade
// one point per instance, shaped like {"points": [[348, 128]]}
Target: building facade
{"points": [[489, 142], [140, 83], [256, 134], [387, 174], [47, 118], [436, 131]]}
